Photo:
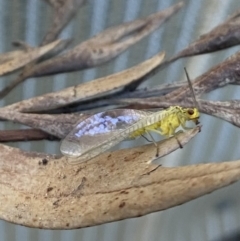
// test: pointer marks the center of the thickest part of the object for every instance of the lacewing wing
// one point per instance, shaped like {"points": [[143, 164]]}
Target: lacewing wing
{"points": [[99, 133]]}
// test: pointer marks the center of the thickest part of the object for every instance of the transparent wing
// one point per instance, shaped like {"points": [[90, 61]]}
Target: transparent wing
{"points": [[98, 131]]}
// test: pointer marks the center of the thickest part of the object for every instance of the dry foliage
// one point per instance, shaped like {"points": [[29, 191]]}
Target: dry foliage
{"points": [[44, 191]]}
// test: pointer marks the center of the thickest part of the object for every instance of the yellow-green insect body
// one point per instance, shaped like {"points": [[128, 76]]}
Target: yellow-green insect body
{"points": [[167, 121]]}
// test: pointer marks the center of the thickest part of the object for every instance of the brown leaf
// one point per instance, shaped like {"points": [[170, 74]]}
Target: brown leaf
{"points": [[64, 11], [12, 61], [231, 117], [23, 75], [105, 46], [98, 50], [221, 37], [90, 89], [116, 98], [57, 125], [43, 191], [25, 135], [227, 72], [226, 110]]}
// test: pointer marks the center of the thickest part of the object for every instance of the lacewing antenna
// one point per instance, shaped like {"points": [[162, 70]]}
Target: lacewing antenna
{"points": [[192, 90]]}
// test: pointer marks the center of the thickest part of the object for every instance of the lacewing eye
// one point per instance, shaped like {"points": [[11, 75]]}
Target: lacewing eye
{"points": [[190, 111]]}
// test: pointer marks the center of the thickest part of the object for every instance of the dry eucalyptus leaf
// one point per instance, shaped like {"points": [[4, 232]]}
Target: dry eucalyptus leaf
{"points": [[90, 89], [64, 11], [57, 125], [231, 117], [55, 51], [97, 50], [221, 37], [226, 110], [39, 190], [25, 135], [230, 105], [6, 57], [119, 98], [25, 72], [227, 72], [12, 61], [43, 191], [105, 46]]}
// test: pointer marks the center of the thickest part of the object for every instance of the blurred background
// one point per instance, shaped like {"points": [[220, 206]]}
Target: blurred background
{"points": [[213, 217]]}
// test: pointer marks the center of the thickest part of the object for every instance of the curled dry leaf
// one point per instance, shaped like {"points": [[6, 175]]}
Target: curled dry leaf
{"points": [[64, 11], [231, 117], [43, 191], [227, 72], [229, 105], [56, 125], [12, 61], [116, 98], [105, 46], [62, 44], [97, 50], [223, 36], [6, 57], [226, 110], [25, 135], [54, 51], [157, 90], [90, 89]]}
